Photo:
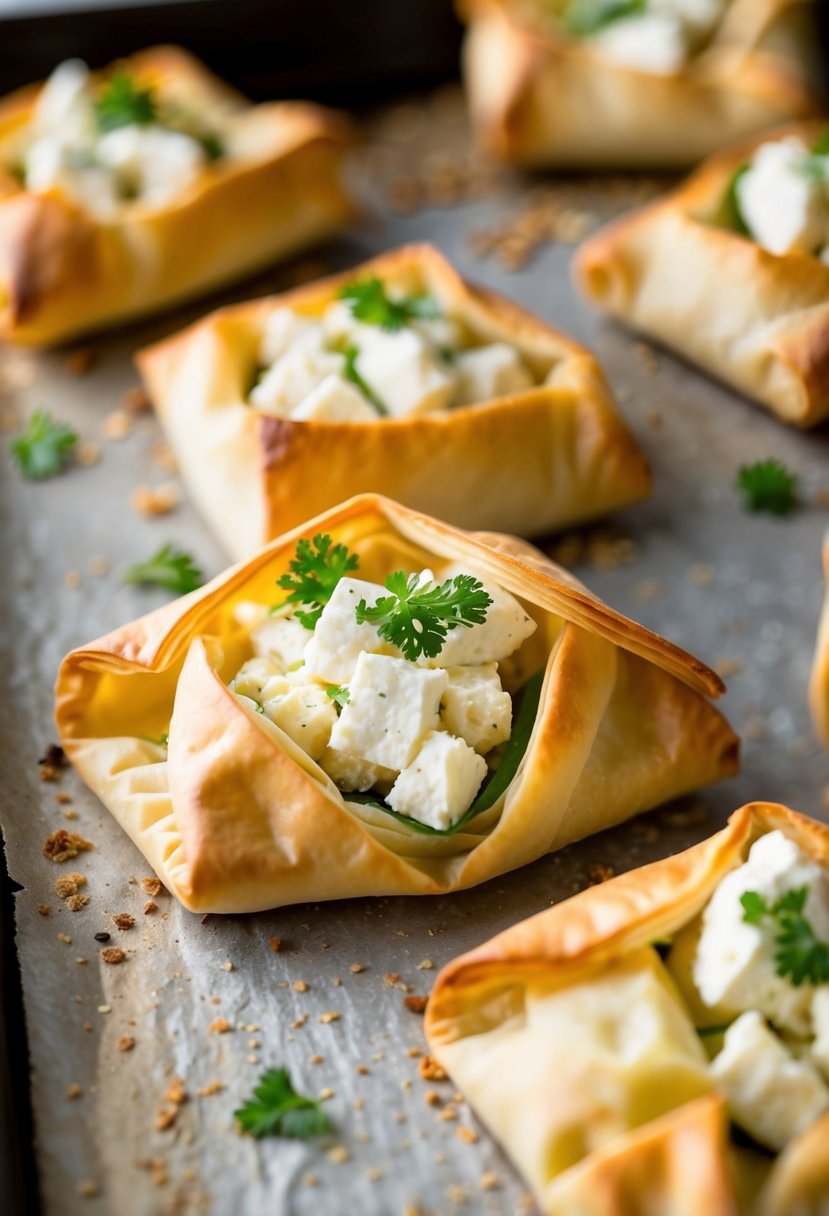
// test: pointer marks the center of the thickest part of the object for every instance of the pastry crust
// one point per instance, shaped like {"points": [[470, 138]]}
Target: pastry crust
{"points": [[756, 320], [538, 98], [65, 272], [236, 818], [819, 682], [538, 460], [479, 1019]]}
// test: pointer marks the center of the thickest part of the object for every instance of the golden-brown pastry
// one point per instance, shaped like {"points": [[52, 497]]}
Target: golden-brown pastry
{"points": [[234, 815], [654, 98], [579, 1036], [686, 272], [126, 191], [549, 451], [819, 683]]}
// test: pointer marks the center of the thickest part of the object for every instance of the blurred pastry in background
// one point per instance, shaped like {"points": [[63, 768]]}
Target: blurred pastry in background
{"points": [[819, 683], [634, 83], [125, 191]]}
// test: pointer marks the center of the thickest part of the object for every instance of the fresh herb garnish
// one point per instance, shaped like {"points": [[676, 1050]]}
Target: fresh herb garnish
{"points": [[159, 740], [315, 570], [212, 145], [276, 1109], [351, 354], [170, 568], [122, 104], [706, 1032], [768, 486], [416, 617], [732, 216], [339, 694], [585, 17], [798, 954], [370, 303], [43, 448]]}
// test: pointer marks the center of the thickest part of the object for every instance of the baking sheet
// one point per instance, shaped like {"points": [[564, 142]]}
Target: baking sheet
{"points": [[741, 591]]}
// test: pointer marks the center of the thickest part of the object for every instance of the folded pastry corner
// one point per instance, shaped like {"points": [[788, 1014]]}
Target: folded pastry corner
{"points": [[608, 1041], [399, 378], [125, 191], [655, 84], [731, 270], [379, 703]]}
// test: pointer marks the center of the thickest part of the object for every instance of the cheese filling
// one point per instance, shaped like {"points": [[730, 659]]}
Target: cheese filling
{"points": [[103, 144], [780, 198], [657, 37], [420, 732], [355, 364]]}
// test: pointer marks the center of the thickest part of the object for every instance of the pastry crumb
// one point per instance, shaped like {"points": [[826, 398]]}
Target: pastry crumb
{"points": [[75, 902], [117, 425], [123, 921], [356, 968], [339, 1154], [373, 1174], [152, 886], [219, 1026], [165, 1118], [113, 955], [430, 1070], [152, 501], [467, 1134], [426, 964], [126, 1042], [65, 938], [599, 872], [330, 1016], [416, 1004], [73, 1090], [326, 1093], [299, 986], [62, 846], [43, 909], [176, 1093], [275, 944], [88, 1189], [490, 1181], [210, 1089], [88, 454], [150, 908], [136, 400]]}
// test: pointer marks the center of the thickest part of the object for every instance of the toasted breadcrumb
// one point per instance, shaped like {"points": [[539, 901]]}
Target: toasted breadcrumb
{"points": [[126, 1042], [62, 846], [113, 955], [416, 1004]]}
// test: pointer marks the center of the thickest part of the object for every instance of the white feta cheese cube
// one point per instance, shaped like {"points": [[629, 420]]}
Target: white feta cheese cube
{"points": [[784, 208], [351, 774], [306, 713], [253, 675], [476, 708], [339, 323], [64, 106], [442, 333], [53, 165], [403, 371], [338, 641], [154, 161], [282, 639], [649, 42], [490, 371], [290, 380], [770, 1093], [734, 966], [335, 400], [507, 625], [392, 704], [285, 329], [440, 783]]}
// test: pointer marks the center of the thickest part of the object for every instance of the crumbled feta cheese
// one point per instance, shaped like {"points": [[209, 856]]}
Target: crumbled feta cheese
{"points": [[352, 774], [770, 1093], [155, 162], [440, 783], [306, 713], [335, 400], [650, 42], [339, 323], [284, 329], [506, 626], [338, 641], [64, 104], [51, 164], [734, 966], [253, 675], [442, 333], [281, 638], [784, 208], [475, 707], [392, 704], [490, 371], [285, 385], [402, 370]]}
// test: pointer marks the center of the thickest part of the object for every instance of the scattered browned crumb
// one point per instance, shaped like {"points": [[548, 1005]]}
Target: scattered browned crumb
{"points": [[65, 938], [309, 1180], [599, 872], [426, 964], [299, 1022], [176, 1093], [75, 902], [317, 1059], [136, 400], [299, 986], [62, 846], [467, 1134], [43, 909], [448, 1114], [374, 1174], [489, 1181], [68, 884], [414, 1053], [163, 458], [430, 1070], [456, 1194], [392, 980], [227, 965], [415, 1004], [432, 1098], [126, 1042], [73, 1090], [54, 756], [62, 797], [330, 1016], [98, 565], [79, 361], [339, 1154], [113, 955], [165, 1118], [70, 814], [275, 944], [210, 1089], [158, 500], [726, 667], [356, 968], [88, 453], [326, 1093], [88, 1189], [152, 886], [159, 1176], [117, 425], [362, 1070], [219, 1026], [821, 497]]}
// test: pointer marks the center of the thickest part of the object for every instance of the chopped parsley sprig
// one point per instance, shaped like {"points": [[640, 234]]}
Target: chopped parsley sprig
{"points": [[170, 568], [339, 694], [799, 955], [276, 1109], [315, 570], [122, 103], [43, 448], [416, 617], [370, 303], [768, 486], [351, 373], [585, 17]]}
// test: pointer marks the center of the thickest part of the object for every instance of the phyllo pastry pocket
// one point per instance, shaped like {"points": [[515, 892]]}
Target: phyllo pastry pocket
{"points": [[397, 378], [124, 191], [377, 703], [732, 271], [609, 1041], [634, 83]]}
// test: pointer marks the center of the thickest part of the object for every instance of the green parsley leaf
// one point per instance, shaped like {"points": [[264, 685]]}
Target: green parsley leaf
{"points": [[417, 618], [162, 740], [370, 303], [121, 104], [339, 694], [732, 213], [350, 372], [798, 954], [212, 145], [315, 571], [43, 448], [585, 17], [768, 486], [170, 568], [276, 1109]]}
